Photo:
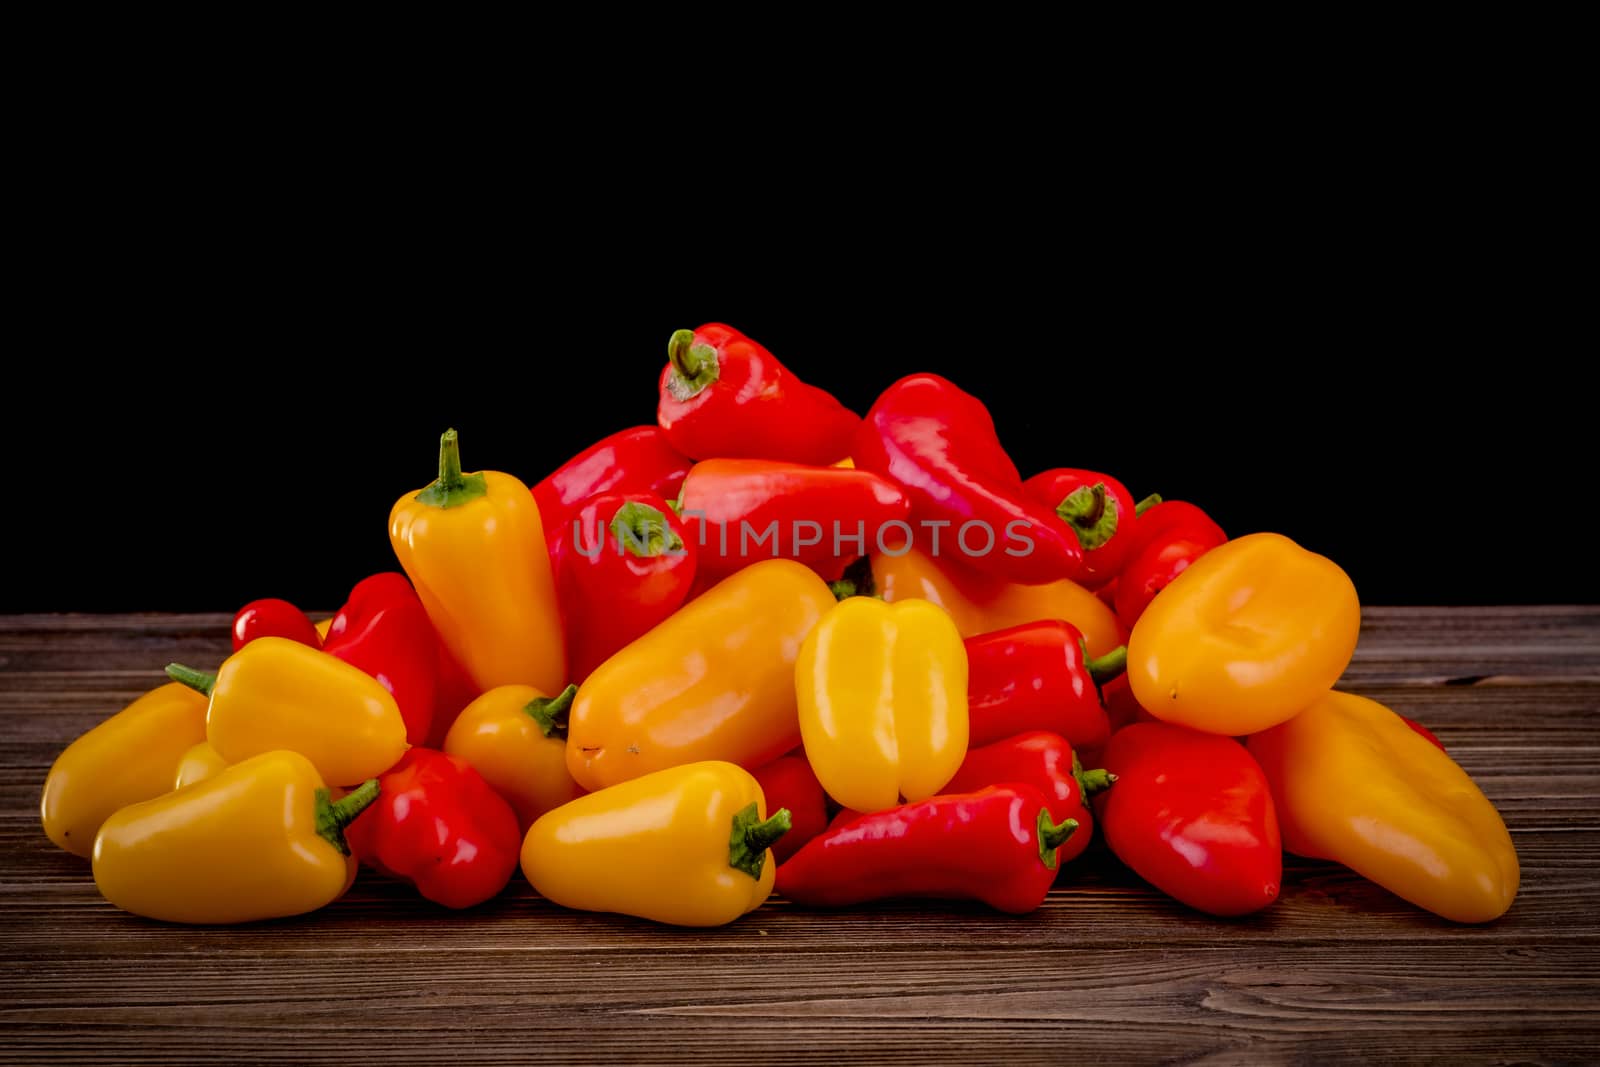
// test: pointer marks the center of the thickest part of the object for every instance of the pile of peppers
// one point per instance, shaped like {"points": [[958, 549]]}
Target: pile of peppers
{"points": [[769, 644]]}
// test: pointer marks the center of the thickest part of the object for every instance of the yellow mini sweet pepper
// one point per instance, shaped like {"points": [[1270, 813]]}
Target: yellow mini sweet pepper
{"points": [[516, 737], [473, 546], [260, 840], [882, 692], [1252, 632], [275, 693], [713, 682], [686, 846], [198, 763], [1354, 784], [126, 759]]}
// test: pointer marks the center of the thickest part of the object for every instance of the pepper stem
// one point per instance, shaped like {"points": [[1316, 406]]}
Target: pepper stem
{"points": [[1091, 782], [752, 836], [855, 581], [452, 488], [1104, 668], [334, 815], [1085, 511], [200, 681], [551, 712], [1147, 503], [1052, 836], [694, 365], [644, 531]]}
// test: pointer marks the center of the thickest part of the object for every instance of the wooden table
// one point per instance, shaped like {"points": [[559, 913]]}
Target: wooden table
{"points": [[1106, 971]]}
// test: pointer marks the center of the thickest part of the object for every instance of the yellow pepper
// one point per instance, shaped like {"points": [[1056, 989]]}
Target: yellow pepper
{"points": [[1353, 783], [981, 605], [260, 840], [1252, 632], [473, 546], [275, 693], [686, 846], [198, 763], [713, 682], [882, 690], [126, 759], [515, 737], [323, 626]]}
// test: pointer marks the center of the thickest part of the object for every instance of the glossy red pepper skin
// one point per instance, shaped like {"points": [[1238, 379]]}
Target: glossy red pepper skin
{"points": [[939, 444], [438, 825], [728, 504], [787, 782], [616, 582], [635, 460], [1046, 762], [725, 396], [1097, 509], [1167, 539], [384, 630], [1034, 677], [273, 618], [1192, 815], [991, 845]]}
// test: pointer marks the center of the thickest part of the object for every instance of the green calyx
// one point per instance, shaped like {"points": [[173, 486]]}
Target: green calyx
{"points": [[694, 365], [1147, 503], [551, 712], [644, 531], [334, 815], [1086, 512], [855, 581], [1091, 782], [200, 681], [1052, 836], [752, 836], [452, 489]]}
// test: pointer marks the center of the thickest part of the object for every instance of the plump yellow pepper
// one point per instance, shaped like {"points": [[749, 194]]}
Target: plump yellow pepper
{"points": [[516, 737], [882, 691], [275, 693], [982, 605], [126, 759], [713, 682], [473, 546], [686, 846], [260, 840], [1252, 632], [198, 763], [1353, 783]]}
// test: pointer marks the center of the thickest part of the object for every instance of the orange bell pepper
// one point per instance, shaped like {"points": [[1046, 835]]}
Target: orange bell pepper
{"points": [[516, 737]]}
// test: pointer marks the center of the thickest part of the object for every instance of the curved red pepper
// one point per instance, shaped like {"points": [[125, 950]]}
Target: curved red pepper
{"points": [[739, 511], [1036, 677], [725, 396], [1046, 762], [997, 845], [788, 782], [939, 444], [438, 825], [624, 564], [1192, 815], [1099, 511], [384, 630], [1167, 538], [635, 460], [273, 618]]}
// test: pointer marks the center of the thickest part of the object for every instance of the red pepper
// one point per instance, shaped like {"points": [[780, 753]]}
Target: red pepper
{"points": [[626, 564], [437, 824], [997, 845], [1037, 677], [788, 782], [384, 630], [1098, 509], [725, 396], [1167, 538], [939, 444], [1046, 762], [636, 460], [273, 618], [740, 511], [1192, 815], [1425, 733]]}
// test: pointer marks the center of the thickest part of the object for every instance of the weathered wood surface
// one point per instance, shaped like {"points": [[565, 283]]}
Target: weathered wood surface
{"points": [[1106, 971]]}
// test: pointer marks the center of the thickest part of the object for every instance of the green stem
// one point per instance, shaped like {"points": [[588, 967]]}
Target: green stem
{"points": [[200, 681], [752, 836], [1084, 509], [1147, 503], [452, 488], [694, 365], [680, 349], [334, 815], [1104, 668], [855, 581], [644, 531], [551, 712], [1052, 836], [1091, 782]]}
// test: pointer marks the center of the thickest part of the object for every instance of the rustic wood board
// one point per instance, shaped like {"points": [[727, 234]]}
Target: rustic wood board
{"points": [[1107, 970]]}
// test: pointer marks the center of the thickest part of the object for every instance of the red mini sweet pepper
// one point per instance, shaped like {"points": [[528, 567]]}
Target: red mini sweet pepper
{"points": [[1046, 762], [635, 460], [997, 845], [626, 564], [939, 444], [273, 618], [1098, 510], [739, 511], [788, 782], [724, 395], [1192, 814], [1038, 676], [1166, 539], [384, 630], [438, 825]]}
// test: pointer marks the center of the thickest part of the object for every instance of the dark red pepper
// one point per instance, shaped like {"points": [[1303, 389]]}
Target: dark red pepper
{"points": [[787, 782], [635, 460], [273, 618], [1098, 509], [997, 845], [455, 691], [438, 825], [1167, 538], [1046, 762], [939, 444], [384, 630], [725, 396], [1037, 677]]}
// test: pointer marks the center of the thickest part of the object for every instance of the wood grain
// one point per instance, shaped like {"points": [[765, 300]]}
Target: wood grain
{"points": [[1337, 971]]}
